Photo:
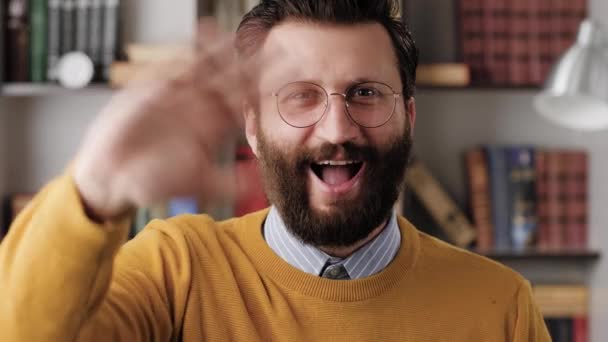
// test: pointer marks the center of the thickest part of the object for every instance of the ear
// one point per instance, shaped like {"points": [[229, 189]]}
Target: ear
{"points": [[251, 127], [411, 111]]}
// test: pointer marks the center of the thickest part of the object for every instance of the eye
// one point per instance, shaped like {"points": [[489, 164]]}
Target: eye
{"points": [[303, 95], [365, 92]]}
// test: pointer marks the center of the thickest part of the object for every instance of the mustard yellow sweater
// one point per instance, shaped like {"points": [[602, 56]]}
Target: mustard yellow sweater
{"points": [[64, 278]]}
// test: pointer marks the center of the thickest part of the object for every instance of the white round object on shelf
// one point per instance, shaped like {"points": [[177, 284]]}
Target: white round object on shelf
{"points": [[75, 70]]}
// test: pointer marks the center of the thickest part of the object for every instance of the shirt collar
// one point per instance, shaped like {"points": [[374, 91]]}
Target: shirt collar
{"points": [[370, 259]]}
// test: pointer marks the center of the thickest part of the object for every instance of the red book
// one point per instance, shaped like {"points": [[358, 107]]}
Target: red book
{"points": [[479, 197], [471, 35], [496, 42], [248, 174], [541, 200], [554, 215], [580, 331], [535, 76], [545, 37], [575, 190], [519, 37]]}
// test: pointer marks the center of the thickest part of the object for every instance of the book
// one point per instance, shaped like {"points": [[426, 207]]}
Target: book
{"points": [[53, 37], [156, 53], [542, 210], [479, 197], [38, 40], [471, 37], [440, 205], [17, 41], [67, 26], [95, 32], [443, 74], [580, 329], [499, 195], [521, 196], [497, 40], [436, 43], [81, 25], [545, 37], [535, 76], [110, 36], [555, 200], [575, 198], [519, 36], [122, 73], [561, 300]]}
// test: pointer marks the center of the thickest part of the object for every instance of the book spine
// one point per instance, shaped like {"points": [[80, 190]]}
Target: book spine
{"points": [[38, 40], [479, 197], [522, 196], [82, 25], [499, 188], [519, 36], [535, 76], [576, 199], [110, 36], [472, 37], [542, 212], [561, 30], [67, 26], [496, 42], [555, 207], [565, 327], [17, 42], [54, 37], [95, 35], [581, 329], [442, 208], [545, 36]]}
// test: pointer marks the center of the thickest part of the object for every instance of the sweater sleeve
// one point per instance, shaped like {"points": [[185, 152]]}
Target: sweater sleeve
{"points": [[529, 325], [63, 278]]}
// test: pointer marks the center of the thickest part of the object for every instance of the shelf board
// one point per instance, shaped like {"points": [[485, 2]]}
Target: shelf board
{"points": [[480, 87], [536, 255], [42, 89]]}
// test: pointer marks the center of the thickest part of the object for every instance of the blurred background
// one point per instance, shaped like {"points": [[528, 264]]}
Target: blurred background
{"points": [[490, 173]]}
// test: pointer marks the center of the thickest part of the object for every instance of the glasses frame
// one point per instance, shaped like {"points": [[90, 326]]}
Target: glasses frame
{"points": [[396, 95]]}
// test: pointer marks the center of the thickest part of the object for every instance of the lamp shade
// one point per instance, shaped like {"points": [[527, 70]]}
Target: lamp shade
{"points": [[576, 93]]}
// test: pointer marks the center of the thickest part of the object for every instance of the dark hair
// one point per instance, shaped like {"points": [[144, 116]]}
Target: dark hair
{"points": [[269, 13]]}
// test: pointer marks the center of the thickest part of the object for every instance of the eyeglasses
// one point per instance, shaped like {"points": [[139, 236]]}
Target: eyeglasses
{"points": [[368, 104]]}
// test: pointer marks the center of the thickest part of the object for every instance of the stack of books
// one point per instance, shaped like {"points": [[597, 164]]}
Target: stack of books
{"points": [[524, 197]]}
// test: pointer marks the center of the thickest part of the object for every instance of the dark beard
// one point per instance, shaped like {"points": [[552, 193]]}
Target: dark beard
{"points": [[285, 176]]}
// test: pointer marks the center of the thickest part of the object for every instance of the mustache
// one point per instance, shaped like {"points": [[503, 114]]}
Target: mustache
{"points": [[327, 151]]}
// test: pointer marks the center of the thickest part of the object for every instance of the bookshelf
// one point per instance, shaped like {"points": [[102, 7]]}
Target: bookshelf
{"points": [[41, 126], [581, 256], [32, 89]]}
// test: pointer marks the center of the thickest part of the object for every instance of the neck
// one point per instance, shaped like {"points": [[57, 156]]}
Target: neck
{"points": [[345, 252]]}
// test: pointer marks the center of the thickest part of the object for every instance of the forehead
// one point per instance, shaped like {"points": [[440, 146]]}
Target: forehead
{"points": [[329, 54]]}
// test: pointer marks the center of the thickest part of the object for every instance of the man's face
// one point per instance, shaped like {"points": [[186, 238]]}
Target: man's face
{"points": [[331, 205]]}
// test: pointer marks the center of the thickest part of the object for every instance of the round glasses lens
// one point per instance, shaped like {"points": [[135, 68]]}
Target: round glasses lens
{"points": [[370, 104], [301, 104]]}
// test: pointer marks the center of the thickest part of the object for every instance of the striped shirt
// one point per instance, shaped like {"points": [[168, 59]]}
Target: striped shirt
{"points": [[370, 259]]}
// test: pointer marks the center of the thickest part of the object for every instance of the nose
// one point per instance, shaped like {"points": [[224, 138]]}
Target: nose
{"points": [[336, 126]]}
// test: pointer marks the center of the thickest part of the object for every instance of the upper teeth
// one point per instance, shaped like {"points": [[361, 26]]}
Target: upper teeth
{"points": [[338, 162]]}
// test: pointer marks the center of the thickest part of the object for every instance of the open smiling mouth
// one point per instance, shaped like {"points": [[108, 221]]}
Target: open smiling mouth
{"points": [[338, 173]]}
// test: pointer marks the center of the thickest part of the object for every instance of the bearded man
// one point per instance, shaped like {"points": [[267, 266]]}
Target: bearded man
{"points": [[326, 90]]}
